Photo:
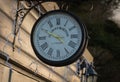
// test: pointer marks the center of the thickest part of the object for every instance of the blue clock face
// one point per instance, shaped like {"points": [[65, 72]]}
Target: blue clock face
{"points": [[57, 37]]}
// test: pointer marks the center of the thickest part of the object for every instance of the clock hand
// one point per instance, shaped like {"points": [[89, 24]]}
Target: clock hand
{"points": [[59, 38], [54, 35]]}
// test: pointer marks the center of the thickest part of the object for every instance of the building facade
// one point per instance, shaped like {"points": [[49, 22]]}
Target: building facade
{"points": [[22, 65]]}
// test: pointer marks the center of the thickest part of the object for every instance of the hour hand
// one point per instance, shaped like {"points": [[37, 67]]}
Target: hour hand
{"points": [[54, 35]]}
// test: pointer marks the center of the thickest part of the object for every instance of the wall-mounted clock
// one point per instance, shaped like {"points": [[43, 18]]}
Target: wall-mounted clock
{"points": [[58, 38]]}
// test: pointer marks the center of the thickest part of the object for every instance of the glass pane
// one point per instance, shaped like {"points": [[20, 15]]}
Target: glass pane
{"points": [[95, 78], [84, 78], [92, 79], [89, 79]]}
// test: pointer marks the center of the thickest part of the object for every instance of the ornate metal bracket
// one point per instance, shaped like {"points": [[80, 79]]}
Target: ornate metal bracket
{"points": [[22, 11], [85, 68]]}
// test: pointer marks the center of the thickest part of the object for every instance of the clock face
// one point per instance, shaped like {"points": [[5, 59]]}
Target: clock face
{"points": [[58, 38]]}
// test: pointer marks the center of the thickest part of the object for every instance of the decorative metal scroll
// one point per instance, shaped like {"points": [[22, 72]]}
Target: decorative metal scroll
{"points": [[24, 7]]}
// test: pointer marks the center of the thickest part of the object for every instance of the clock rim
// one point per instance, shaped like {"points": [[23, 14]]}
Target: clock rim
{"points": [[76, 55]]}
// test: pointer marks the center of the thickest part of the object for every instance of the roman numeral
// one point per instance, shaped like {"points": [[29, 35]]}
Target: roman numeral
{"points": [[72, 44], [58, 53], [66, 23], [44, 45], [50, 24], [66, 50], [58, 21], [50, 51], [42, 38], [74, 36], [71, 28]]}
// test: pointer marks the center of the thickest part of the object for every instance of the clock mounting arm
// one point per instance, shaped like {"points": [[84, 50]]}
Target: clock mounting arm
{"points": [[25, 6]]}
